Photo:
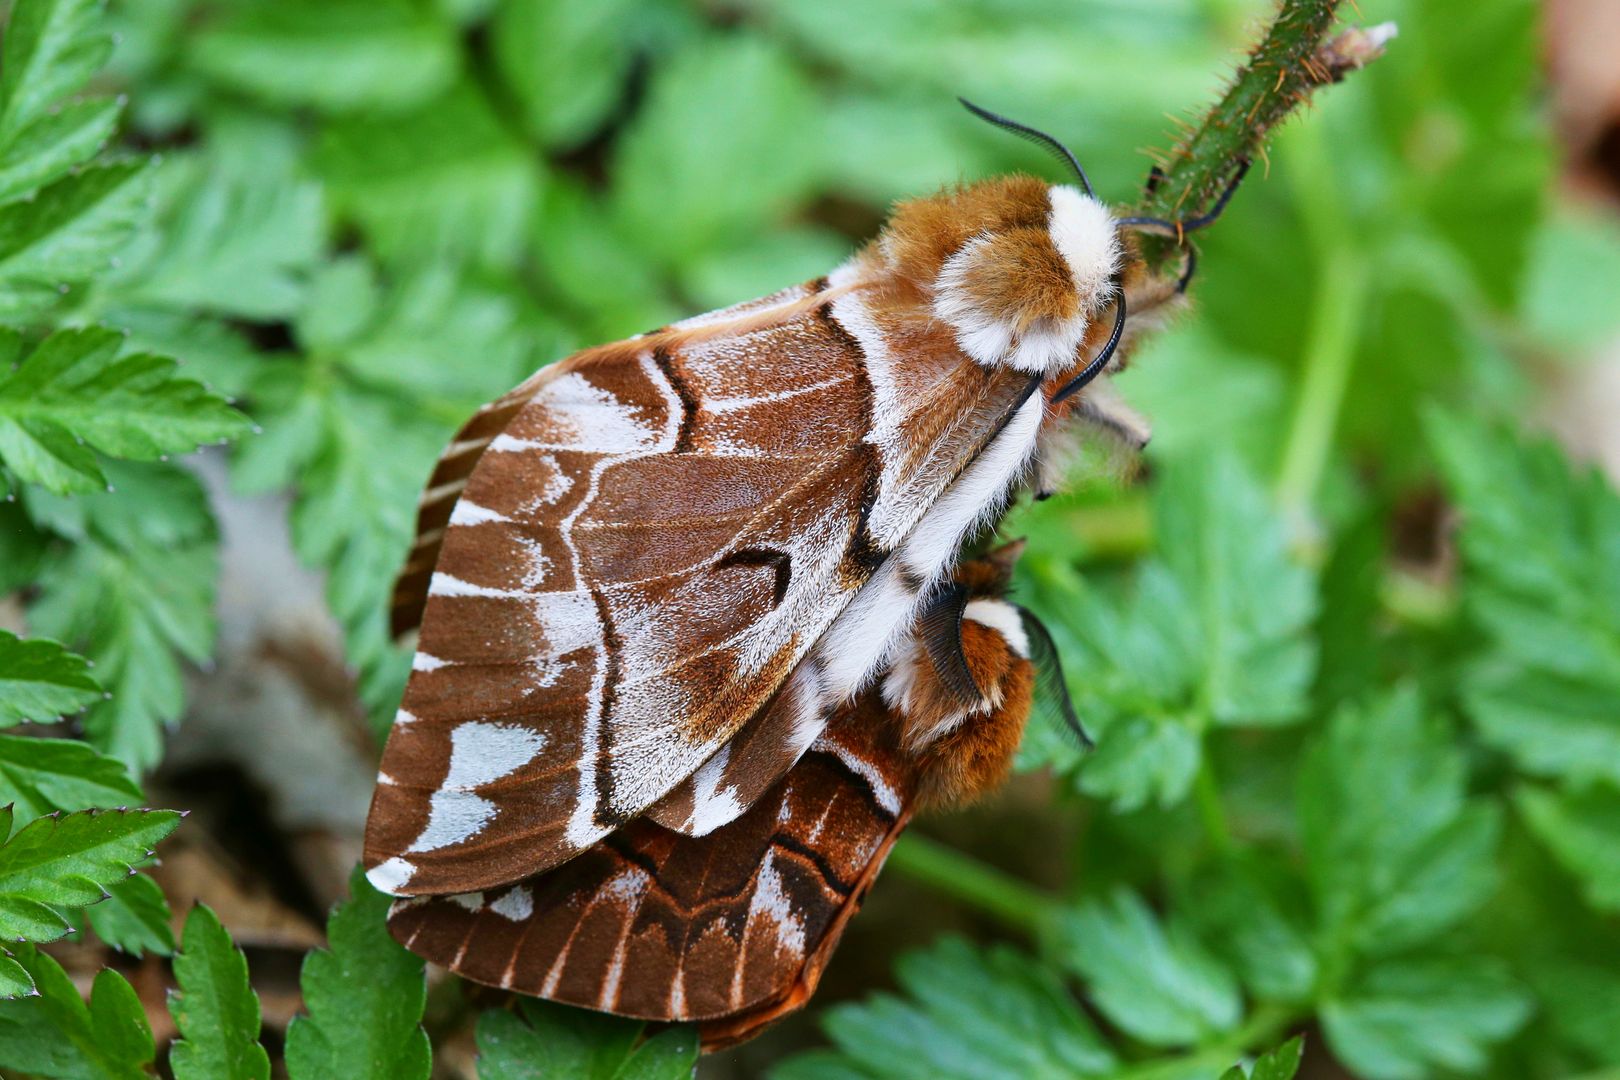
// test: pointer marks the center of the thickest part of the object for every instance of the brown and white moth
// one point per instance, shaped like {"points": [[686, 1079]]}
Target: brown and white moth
{"points": [[693, 644]]}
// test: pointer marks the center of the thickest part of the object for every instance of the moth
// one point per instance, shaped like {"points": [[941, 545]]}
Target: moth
{"points": [[694, 641]]}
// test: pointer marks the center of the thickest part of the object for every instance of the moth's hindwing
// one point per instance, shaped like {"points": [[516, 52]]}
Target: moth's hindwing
{"points": [[656, 538], [732, 929]]}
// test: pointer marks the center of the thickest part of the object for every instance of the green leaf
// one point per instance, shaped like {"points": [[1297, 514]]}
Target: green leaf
{"points": [[1574, 271], [1582, 999], [74, 391], [214, 1008], [364, 996], [68, 862], [1581, 829], [231, 239], [566, 63], [68, 232], [1396, 852], [943, 1030], [52, 47], [1246, 910], [1280, 1064], [726, 139], [43, 775], [41, 681], [1157, 982], [134, 918], [139, 610], [15, 982], [445, 177], [1404, 1018], [1541, 544], [1211, 633], [331, 54], [50, 148], [553, 1040], [56, 1036]]}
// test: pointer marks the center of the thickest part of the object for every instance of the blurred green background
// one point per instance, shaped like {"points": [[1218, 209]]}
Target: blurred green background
{"points": [[1349, 638]]}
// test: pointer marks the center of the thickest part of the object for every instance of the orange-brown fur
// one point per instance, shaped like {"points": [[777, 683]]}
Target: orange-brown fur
{"points": [[1020, 278], [923, 233], [975, 757]]}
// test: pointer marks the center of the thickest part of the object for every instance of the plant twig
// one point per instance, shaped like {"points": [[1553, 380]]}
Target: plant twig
{"points": [[994, 892], [1291, 61]]}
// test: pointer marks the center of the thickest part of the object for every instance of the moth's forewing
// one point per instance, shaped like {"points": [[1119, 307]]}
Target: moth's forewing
{"points": [[732, 929], [645, 551]]}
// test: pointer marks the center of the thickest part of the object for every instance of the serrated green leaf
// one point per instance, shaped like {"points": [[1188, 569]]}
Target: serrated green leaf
{"points": [[726, 139], [52, 146], [446, 177], [1211, 633], [941, 1028], [565, 63], [74, 391], [1279, 1064], [134, 918], [40, 681], [68, 232], [1141, 761], [553, 1040], [15, 982], [230, 239], [1155, 981], [56, 1036], [69, 861], [52, 47], [1541, 544], [1581, 828], [1404, 1018], [1246, 910], [1396, 852], [214, 1008], [364, 996], [43, 775], [138, 610], [331, 54]]}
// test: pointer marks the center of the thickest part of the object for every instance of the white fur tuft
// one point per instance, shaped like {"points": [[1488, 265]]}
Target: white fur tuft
{"points": [[1003, 618], [1083, 232]]}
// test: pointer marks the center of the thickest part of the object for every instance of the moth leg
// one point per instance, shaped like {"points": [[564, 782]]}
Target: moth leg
{"points": [[1100, 410]]}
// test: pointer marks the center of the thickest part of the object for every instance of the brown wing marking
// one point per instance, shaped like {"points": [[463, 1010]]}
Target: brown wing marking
{"points": [[585, 542], [735, 927], [590, 638]]}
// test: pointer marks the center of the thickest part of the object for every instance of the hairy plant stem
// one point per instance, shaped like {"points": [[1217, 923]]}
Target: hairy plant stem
{"points": [[1291, 60], [1015, 903]]}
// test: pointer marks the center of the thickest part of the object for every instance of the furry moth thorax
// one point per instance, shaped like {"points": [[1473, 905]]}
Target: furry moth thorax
{"points": [[1018, 268]]}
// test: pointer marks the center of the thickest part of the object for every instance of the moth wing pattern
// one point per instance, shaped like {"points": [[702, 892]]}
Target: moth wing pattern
{"points": [[644, 550], [731, 930]]}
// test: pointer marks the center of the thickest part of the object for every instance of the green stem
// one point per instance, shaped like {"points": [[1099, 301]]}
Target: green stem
{"points": [[1264, 1029], [1210, 809], [974, 883], [1330, 350], [1291, 61]]}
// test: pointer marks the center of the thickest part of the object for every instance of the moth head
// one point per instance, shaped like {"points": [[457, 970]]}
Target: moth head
{"points": [[1024, 295]]}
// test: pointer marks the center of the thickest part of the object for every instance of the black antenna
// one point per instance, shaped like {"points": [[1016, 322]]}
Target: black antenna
{"points": [[1039, 138], [1100, 361]]}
